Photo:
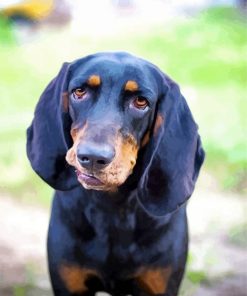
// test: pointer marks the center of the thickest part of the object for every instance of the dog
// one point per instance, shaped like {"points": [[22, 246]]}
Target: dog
{"points": [[115, 138]]}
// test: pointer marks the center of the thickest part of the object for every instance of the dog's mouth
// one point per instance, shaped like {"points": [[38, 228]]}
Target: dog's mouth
{"points": [[89, 180]]}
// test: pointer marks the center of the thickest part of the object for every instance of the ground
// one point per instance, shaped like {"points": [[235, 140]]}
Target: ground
{"points": [[217, 264]]}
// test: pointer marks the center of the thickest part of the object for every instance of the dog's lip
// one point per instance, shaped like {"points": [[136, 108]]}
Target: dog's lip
{"points": [[89, 179]]}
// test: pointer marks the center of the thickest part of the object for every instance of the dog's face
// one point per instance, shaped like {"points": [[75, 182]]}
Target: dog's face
{"points": [[97, 113], [112, 100]]}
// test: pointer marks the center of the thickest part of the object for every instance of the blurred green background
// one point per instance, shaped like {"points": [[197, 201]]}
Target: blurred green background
{"points": [[205, 54]]}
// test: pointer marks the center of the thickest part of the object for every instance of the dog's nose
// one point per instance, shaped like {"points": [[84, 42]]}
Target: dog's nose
{"points": [[95, 156]]}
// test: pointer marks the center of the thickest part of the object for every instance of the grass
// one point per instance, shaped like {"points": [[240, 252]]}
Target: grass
{"points": [[204, 55], [238, 235]]}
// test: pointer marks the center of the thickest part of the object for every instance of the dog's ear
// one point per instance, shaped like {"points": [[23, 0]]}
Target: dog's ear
{"points": [[48, 136], [173, 155]]}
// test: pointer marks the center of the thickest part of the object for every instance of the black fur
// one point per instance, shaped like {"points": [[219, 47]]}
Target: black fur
{"points": [[143, 224]]}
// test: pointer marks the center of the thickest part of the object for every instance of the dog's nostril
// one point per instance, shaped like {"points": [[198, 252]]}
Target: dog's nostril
{"points": [[84, 159]]}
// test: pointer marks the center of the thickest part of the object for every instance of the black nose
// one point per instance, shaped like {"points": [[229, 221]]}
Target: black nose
{"points": [[95, 156]]}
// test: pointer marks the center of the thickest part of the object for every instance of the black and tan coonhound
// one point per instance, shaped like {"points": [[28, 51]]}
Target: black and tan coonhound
{"points": [[115, 138]]}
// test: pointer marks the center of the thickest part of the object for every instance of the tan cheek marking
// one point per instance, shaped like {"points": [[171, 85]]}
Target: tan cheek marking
{"points": [[77, 135], [129, 152], [131, 86], [74, 133], [158, 123], [117, 172], [94, 81], [75, 277], [154, 281], [70, 156]]}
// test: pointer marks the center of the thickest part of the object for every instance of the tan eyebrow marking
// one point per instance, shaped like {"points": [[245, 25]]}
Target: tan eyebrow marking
{"points": [[131, 85], [94, 80]]}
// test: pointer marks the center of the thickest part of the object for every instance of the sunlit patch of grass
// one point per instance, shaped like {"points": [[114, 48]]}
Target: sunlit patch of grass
{"points": [[192, 280], [20, 290], [196, 277], [28, 290]]}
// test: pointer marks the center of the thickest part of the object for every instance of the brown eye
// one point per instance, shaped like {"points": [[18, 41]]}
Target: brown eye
{"points": [[79, 93], [140, 103]]}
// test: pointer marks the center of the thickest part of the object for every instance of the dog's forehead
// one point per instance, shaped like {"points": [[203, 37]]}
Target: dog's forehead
{"points": [[116, 67]]}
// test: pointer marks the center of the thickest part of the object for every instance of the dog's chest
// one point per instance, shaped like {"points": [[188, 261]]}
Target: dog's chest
{"points": [[126, 234]]}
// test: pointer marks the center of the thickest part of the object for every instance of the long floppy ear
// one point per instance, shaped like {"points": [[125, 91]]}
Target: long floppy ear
{"points": [[173, 155], [48, 136]]}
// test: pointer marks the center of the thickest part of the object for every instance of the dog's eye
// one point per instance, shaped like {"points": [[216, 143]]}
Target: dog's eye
{"points": [[79, 93], [140, 103]]}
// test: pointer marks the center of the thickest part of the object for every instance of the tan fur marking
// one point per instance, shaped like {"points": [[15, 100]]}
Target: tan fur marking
{"points": [[75, 277], [65, 101], [94, 80], [131, 85], [154, 281], [158, 123], [76, 135], [117, 172]]}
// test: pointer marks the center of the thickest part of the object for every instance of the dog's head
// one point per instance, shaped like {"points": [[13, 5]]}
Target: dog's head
{"points": [[103, 114]]}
